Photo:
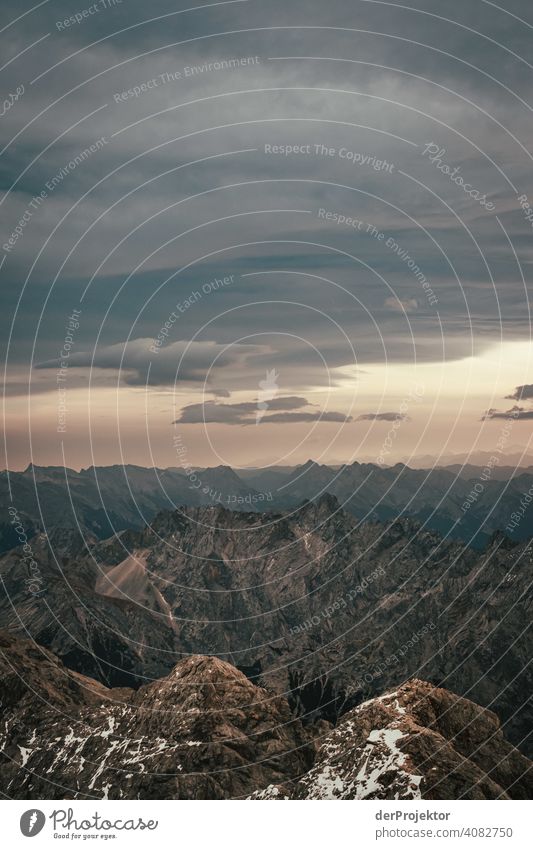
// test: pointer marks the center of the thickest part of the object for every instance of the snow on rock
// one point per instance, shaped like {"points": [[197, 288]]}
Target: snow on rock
{"points": [[379, 761], [356, 761]]}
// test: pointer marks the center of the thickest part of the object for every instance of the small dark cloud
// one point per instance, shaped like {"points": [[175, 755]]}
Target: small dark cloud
{"points": [[246, 413], [211, 411], [515, 413], [288, 418], [287, 402], [522, 392], [382, 417]]}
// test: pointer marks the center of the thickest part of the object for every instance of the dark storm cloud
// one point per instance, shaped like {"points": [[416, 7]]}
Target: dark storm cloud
{"points": [[139, 185], [428, 26], [221, 362]]}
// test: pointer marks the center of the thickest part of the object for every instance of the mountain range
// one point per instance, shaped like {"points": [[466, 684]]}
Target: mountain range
{"points": [[463, 502], [312, 603], [314, 632]]}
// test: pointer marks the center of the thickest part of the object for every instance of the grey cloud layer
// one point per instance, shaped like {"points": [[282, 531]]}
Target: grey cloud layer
{"points": [[146, 188], [177, 362]]}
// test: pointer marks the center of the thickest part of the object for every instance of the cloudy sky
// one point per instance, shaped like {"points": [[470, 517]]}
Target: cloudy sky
{"points": [[277, 230]]}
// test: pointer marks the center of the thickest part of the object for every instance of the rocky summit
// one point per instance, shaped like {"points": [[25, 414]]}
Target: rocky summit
{"points": [[418, 742], [202, 732], [206, 732]]}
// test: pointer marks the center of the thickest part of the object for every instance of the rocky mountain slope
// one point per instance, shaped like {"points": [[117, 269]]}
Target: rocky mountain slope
{"points": [[311, 602], [58, 605], [206, 732], [469, 506]]}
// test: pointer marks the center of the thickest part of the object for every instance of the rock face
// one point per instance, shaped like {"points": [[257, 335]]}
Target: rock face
{"points": [[206, 732], [203, 732], [312, 603], [104, 636], [419, 742]]}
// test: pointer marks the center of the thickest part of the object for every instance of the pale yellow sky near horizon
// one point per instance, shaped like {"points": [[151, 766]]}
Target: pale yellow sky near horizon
{"points": [[444, 403]]}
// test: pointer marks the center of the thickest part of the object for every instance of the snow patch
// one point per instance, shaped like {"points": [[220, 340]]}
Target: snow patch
{"points": [[384, 758], [25, 754]]}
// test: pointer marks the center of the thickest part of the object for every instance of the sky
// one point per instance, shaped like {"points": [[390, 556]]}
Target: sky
{"points": [[265, 232]]}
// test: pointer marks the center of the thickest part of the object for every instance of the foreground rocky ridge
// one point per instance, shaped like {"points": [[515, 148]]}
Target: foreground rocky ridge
{"points": [[203, 732], [284, 597], [206, 732], [418, 742]]}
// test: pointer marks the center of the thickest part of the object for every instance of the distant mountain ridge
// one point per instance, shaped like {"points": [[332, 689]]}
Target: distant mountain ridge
{"points": [[466, 503]]}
